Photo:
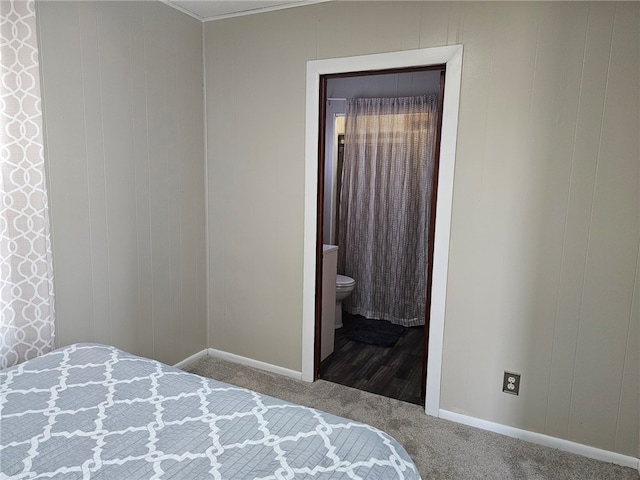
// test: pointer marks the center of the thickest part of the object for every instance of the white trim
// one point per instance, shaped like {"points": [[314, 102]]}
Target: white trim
{"points": [[440, 268], [272, 8], [250, 362], [193, 358], [544, 440], [181, 9], [452, 57], [243, 13]]}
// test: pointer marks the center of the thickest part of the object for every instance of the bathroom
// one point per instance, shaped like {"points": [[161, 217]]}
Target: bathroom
{"points": [[365, 350]]}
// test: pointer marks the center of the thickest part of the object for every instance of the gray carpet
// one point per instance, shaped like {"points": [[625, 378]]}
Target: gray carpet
{"points": [[441, 449]]}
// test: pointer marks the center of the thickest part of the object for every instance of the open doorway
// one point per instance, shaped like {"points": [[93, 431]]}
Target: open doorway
{"points": [[380, 341], [451, 56]]}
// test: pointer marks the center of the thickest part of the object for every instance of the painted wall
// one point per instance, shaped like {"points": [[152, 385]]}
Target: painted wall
{"points": [[544, 259], [123, 117]]}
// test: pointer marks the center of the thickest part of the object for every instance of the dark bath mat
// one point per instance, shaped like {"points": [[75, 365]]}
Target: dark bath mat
{"points": [[375, 332]]}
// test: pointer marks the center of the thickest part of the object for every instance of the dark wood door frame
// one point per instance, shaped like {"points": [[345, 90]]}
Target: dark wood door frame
{"points": [[320, 208], [317, 347]]}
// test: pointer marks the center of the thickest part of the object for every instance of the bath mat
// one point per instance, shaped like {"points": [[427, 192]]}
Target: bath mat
{"points": [[375, 332]]}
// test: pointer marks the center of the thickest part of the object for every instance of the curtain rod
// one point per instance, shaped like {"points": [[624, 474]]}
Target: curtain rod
{"points": [[334, 98]]}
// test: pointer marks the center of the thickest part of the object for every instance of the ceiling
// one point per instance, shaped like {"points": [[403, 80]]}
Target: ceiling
{"points": [[215, 9]]}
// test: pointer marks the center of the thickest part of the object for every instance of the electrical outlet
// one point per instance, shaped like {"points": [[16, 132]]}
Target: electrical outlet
{"points": [[511, 383]]}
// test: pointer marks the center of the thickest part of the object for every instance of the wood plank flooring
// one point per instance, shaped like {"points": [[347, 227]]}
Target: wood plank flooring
{"points": [[394, 372]]}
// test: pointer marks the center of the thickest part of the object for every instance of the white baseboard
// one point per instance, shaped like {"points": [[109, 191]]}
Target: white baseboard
{"points": [[191, 359], [542, 439], [250, 362]]}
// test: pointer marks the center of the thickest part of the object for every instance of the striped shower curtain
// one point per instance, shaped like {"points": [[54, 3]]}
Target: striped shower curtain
{"points": [[26, 274], [387, 178]]}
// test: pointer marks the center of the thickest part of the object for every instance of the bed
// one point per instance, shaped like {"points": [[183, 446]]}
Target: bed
{"points": [[93, 411]]}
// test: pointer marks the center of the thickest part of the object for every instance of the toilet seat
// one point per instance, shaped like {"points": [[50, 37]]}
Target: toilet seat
{"points": [[342, 281]]}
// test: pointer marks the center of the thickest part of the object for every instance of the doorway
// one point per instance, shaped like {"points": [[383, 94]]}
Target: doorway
{"points": [[451, 56], [376, 351]]}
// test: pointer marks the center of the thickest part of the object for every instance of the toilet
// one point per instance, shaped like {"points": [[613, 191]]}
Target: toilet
{"points": [[344, 287]]}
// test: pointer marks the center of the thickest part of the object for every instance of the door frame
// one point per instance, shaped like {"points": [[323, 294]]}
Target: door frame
{"points": [[451, 56], [432, 202]]}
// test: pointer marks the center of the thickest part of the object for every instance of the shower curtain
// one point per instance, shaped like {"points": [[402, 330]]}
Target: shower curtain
{"points": [[385, 205]]}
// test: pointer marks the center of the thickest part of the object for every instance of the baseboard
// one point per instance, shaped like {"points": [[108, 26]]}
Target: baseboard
{"points": [[544, 440], [191, 359], [250, 362]]}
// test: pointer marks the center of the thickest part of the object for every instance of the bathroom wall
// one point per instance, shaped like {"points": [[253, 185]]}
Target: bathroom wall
{"points": [[545, 236], [123, 101]]}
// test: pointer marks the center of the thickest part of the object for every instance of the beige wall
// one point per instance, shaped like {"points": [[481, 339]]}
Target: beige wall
{"points": [[544, 259], [123, 115]]}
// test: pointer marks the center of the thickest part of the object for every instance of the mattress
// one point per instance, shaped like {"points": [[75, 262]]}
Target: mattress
{"points": [[93, 411]]}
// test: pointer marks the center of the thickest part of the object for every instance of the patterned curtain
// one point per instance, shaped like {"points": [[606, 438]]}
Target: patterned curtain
{"points": [[384, 206], [26, 275]]}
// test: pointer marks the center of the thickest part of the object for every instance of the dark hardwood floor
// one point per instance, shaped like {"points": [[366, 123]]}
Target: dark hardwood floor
{"points": [[394, 372]]}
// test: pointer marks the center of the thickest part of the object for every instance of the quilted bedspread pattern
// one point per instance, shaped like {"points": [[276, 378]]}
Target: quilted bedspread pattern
{"points": [[93, 411]]}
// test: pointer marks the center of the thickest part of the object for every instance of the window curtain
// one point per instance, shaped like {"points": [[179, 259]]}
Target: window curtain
{"points": [[26, 275], [387, 179]]}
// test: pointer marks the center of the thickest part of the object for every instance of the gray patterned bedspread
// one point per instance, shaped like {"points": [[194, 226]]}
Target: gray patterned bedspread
{"points": [[93, 411]]}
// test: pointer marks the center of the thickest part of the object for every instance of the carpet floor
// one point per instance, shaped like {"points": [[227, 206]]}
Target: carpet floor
{"points": [[441, 449]]}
